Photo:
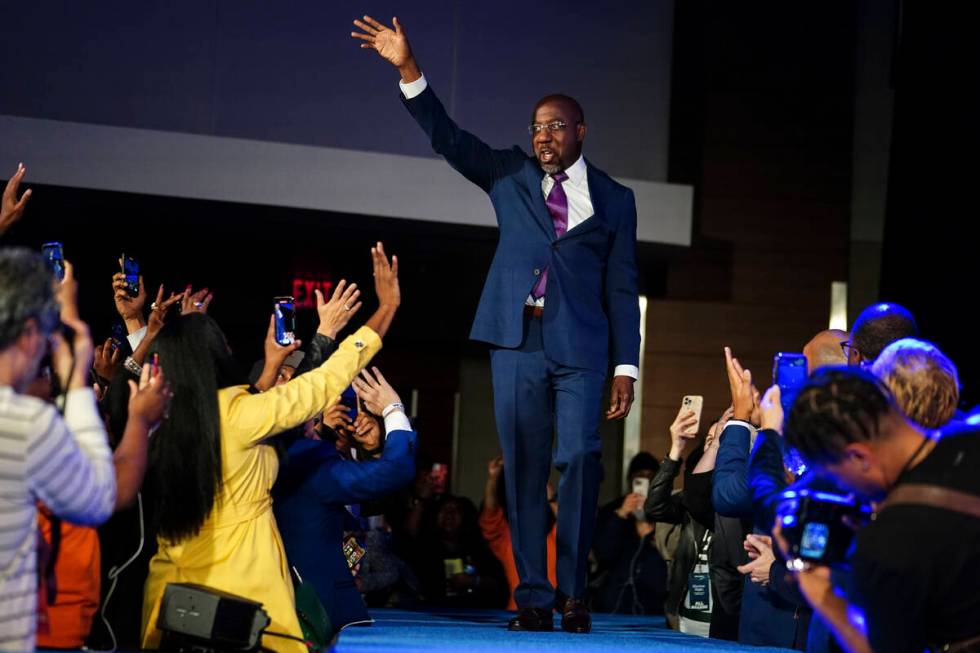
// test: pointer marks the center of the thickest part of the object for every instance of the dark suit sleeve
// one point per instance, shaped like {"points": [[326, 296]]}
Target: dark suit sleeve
{"points": [[347, 481], [622, 297], [466, 153], [766, 478], [730, 492]]}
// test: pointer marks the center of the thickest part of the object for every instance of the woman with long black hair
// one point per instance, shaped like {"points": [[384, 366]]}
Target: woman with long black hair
{"points": [[212, 469]]}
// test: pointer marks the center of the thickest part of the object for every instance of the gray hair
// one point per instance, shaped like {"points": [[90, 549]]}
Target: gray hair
{"points": [[26, 292]]}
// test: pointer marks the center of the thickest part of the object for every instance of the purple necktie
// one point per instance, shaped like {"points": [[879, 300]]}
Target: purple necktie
{"points": [[557, 203]]}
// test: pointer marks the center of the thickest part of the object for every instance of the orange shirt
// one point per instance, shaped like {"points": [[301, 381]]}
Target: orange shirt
{"points": [[496, 531], [77, 572]]}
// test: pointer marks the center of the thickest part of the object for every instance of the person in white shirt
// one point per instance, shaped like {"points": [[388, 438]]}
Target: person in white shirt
{"points": [[63, 461]]}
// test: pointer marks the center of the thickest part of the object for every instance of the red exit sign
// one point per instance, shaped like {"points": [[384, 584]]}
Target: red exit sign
{"points": [[303, 291]]}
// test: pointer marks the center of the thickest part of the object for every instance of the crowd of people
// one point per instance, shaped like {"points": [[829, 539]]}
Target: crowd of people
{"points": [[153, 459]]}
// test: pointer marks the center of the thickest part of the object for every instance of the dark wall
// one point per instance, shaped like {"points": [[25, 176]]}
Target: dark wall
{"points": [[290, 72], [762, 122], [930, 257]]}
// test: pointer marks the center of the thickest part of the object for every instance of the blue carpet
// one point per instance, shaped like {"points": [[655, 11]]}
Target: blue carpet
{"points": [[400, 631]]}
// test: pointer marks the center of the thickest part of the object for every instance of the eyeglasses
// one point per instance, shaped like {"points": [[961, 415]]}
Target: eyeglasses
{"points": [[553, 126], [847, 347]]}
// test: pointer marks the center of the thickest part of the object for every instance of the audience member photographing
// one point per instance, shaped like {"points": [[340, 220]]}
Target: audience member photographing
{"points": [[635, 580], [214, 517], [916, 566], [36, 443]]}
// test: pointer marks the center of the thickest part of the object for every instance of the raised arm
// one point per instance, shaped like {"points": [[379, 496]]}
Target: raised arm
{"points": [[470, 156], [258, 416]]}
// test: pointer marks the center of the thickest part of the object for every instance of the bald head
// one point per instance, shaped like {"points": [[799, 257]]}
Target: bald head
{"points": [[566, 102], [824, 350]]}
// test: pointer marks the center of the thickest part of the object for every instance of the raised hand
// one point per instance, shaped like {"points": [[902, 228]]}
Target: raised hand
{"points": [[385, 277], [682, 432], [195, 302], [335, 314], [631, 504], [11, 209], [150, 400], [158, 310], [771, 410], [130, 309], [391, 44], [275, 356], [108, 360], [78, 360], [740, 382], [376, 393]]}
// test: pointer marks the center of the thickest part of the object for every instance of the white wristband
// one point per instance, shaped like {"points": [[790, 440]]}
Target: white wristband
{"points": [[390, 408]]}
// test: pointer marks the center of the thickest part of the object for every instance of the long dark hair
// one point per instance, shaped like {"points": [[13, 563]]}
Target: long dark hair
{"points": [[185, 453]]}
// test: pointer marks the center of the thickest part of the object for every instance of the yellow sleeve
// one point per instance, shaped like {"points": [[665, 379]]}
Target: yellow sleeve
{"points": [[248, 419]]}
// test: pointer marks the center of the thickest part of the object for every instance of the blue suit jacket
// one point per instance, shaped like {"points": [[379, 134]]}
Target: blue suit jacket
{"points": [[309, 500], [591, 298]]}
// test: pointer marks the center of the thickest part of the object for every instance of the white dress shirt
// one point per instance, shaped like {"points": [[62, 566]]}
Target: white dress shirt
{"points": [[576, 190]]}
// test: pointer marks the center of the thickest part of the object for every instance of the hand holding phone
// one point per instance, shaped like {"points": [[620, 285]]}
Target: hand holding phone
{"points": [[284, 309], [54, 254], [641, 486], [131, 269]]}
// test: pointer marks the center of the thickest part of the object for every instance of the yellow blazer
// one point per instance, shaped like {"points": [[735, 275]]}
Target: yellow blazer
{"points": [[239, 549]]}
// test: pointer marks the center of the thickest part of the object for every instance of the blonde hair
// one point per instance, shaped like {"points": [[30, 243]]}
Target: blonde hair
{"points": [[923, 380]]}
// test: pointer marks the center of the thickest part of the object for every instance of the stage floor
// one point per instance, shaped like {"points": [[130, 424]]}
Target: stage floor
{"points": [[399, 631]]}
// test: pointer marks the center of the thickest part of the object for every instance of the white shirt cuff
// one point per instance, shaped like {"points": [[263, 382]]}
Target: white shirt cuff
{"points": [[136, 337], [739, 423], [397, 421], [413, 89], [631, 371]]}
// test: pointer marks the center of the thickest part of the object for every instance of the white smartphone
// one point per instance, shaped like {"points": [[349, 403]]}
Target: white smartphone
{"points": [[641, 486], [695, 403]]}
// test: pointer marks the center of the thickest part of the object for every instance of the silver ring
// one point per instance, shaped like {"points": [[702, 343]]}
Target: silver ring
{"points": [[346, 307], [198, 304], [153, 306]]}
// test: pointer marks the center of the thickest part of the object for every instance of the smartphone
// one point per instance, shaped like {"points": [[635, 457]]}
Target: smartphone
{"points": [[118, 336], [132, 271], [789, 373], [284, 308], [350, 401], [641, 486], [353, 551], [54, 255], [440, 475], [695, 403]]}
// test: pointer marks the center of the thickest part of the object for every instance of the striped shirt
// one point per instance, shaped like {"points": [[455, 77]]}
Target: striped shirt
{"points": [[67, 464]]}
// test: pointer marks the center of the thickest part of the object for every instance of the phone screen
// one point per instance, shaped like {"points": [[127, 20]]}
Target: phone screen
{"points": [[132, 271], [814, 541], [789, 373], [285, 314], [55, 257]]}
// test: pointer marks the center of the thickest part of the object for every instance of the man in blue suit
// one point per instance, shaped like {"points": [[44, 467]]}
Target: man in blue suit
{"points": [[559, 302]]}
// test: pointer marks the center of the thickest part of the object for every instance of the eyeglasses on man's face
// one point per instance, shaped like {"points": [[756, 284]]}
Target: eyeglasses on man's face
{"points": [[552, 127]]}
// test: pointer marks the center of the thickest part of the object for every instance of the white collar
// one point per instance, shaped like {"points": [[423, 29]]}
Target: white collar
{"points": [[576, 172]]}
